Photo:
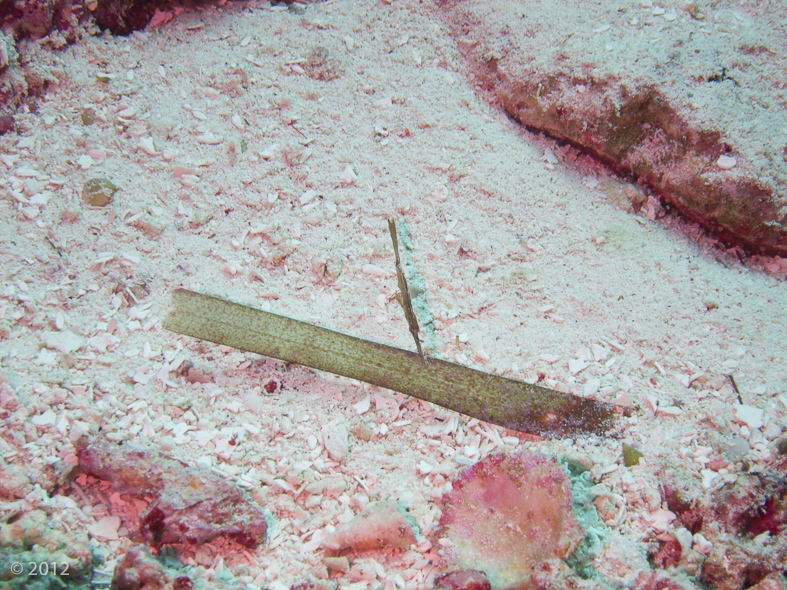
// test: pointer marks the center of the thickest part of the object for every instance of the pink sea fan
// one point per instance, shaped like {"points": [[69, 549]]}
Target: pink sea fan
{"points": [[506, 515]]}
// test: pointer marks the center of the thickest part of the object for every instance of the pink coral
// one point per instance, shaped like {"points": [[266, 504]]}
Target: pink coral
{"points": [[506, 515]]}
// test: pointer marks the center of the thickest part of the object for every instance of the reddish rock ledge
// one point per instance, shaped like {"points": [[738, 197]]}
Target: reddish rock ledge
{"points": [[658, 95]]}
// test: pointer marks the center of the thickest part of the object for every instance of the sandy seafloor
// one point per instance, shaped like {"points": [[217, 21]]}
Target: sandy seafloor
{"points": [[228, 133]]}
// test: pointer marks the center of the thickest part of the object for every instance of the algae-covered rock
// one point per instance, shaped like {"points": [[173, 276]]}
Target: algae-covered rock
{"points": [[98, 192], [508, 514], [693, 115]]}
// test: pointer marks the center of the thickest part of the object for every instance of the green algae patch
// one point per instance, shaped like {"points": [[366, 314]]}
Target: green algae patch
{"points": [[631, 456]]}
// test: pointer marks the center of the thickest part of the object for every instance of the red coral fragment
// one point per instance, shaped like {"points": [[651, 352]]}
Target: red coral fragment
{"points": [[189, 505]]}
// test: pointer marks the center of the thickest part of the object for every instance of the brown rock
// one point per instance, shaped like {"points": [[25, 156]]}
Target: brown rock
{"points": [[189, 505], [651, 95]]}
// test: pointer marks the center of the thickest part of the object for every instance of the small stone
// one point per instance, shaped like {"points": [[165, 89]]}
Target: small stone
{"points": [[46, 357], [577, 365], [374, 270], [726, 162], [707, 478], [209, 138], [88, 116], [106, 528], [749, 415], [337, 564], [48, 418], [702, 544], [269, 151], [337, 442], [307, 197], [98, 192], [348, 175], [146, 145], [600, 353], [65, 342], [85, 161], [591, 387], [482, 356], [380, 525], [363, 406]]}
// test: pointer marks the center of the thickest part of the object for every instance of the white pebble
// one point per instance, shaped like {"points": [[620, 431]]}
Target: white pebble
{"points": [[337, 442], [600, 352], [209, 138], [702, 544], [548, 358], [577, 365], [85, 161], [348, 175], [749, 415], [584, 354], [146, 145], [60, 321], [726, 162], [307, 197], [363, 406], [269, 151], [707, 478], [591, 387], [48, 418], [106, 528], [550, 157], [65, 341], [424, 468]]}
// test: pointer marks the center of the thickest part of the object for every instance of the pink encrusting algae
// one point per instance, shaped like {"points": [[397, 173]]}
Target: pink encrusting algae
{"points": [[506, 515]]}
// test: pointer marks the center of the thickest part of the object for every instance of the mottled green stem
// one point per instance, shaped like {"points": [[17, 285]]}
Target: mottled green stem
{"points": [[495, 399]]}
